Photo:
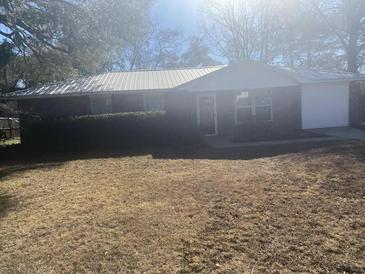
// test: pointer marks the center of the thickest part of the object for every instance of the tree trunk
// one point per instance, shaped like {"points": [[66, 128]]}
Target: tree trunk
{"points": [[352, 65], [352, 48], [353, 20]]}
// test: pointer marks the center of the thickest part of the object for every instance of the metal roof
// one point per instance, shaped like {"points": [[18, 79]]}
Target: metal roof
{"points": [[316, 76], [243, 75], [115, 82]]}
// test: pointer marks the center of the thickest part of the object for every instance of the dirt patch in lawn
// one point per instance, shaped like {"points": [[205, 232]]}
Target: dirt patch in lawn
{"points": [[207, 211]]}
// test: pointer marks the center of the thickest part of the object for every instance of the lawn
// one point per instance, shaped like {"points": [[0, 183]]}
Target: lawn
{"points": [[283, 209]]}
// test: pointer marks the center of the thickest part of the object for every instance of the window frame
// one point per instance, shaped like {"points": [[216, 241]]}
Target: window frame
{"points": [[108, 102], [162, 98], [254, 106]]}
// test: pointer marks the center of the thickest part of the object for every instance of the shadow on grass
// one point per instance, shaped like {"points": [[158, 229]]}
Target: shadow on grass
{"points": [[241, 153], [355, 149], [7, 203], [19, 154], [19, 158], [17, 167]]}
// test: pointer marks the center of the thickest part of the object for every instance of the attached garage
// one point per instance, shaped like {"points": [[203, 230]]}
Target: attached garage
{"points": [[325, 105]]}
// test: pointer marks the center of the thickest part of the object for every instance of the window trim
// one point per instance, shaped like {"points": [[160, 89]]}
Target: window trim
{"points": [[108, 99], [154, 94], [253, 107]]}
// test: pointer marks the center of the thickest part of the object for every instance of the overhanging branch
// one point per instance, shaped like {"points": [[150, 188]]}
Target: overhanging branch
{"points": [[329, 24]]}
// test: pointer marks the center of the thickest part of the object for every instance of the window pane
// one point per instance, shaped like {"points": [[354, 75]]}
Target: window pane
{"points": [[100, 105], [206, 101], [243, 114], [243, 102], [263, 113], [263, 101], [153, 103], [244, 94]]}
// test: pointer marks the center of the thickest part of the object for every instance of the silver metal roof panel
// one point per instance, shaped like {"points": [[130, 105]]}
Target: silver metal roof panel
{"points": [[115, 82], [317, 76]]}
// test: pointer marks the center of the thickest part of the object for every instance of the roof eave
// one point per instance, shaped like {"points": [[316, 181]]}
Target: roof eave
{"points": [[330, 81], [107, 93]]}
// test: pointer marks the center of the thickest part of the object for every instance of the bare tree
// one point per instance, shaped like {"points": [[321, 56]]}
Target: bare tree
{"points": [[241, 29], [345, 19], [302, 39], [157, 48], [197, 54]]}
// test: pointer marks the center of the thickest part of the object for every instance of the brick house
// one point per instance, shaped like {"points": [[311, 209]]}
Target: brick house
{"points": [[239, 99]]}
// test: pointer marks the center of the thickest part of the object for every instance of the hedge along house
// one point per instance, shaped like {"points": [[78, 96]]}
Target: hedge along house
{"points": [[242, 99]]}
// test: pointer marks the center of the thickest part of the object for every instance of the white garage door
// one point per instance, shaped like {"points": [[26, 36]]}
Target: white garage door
{"points": [[325, 105]]}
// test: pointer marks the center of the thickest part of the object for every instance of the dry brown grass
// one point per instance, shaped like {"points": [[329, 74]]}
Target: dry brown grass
{"points": [[221, 212]]}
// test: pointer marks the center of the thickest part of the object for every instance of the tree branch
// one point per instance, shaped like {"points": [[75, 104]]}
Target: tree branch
{"points": [[39, 36], [7, 35], [332, 28]]}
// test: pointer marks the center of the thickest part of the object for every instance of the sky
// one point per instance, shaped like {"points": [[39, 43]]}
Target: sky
{"points": [[178, 14]]}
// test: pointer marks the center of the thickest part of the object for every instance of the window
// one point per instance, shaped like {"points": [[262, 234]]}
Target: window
{"points": [[153, 102], [255, 106], [100, 104]]}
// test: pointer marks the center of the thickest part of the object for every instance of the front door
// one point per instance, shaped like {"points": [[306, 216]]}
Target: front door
{"points": [[207, 115]]}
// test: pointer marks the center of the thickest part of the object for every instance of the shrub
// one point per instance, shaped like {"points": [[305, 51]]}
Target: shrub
{"points": [[120, 129], [3, 136]]}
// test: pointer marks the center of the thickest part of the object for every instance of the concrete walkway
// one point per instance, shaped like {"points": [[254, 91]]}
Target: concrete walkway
{"points": [[217, 142], [345, 133]]}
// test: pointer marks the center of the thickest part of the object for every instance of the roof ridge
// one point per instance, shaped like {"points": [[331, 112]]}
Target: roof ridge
{"points": [[167, 69], [317, 70]]}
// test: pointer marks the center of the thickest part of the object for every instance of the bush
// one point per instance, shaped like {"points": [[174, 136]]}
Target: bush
{"points": [[3, 136], [121, 129]]}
